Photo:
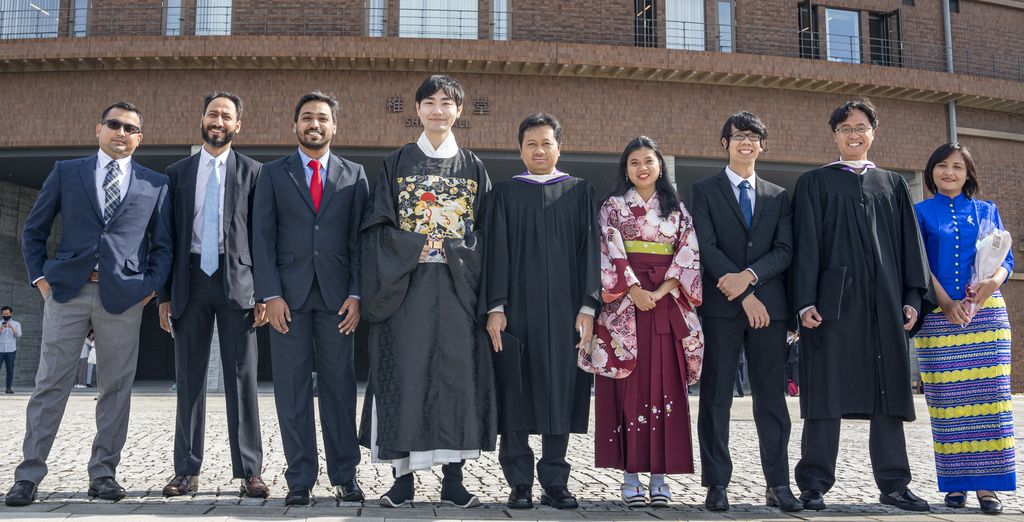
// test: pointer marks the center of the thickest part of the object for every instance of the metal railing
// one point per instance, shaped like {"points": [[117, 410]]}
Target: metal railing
{"points": [[289, 17]]}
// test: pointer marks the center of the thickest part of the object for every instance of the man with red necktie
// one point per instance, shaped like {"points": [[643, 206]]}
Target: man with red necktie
{"points": [[306, 217]]}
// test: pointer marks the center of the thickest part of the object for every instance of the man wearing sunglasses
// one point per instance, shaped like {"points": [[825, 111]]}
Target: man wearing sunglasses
{"points": [[113, 254]]}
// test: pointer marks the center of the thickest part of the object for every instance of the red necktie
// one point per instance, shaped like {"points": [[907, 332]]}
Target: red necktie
{"points": [[316, 187]]}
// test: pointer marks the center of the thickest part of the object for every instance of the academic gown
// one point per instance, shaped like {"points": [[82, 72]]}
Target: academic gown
{"points": [[542, 264], [857, 253], [431, 375]]}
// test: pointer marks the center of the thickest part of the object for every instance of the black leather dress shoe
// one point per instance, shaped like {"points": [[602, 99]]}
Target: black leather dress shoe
{"points": [[520, 498], [990, 504], [181, 485], [716, 499], [904, 500], [559, 497], [955, 499], [813, 499], [22, 493], [782, 498], [349, 492], [106, 488], [297, 496]]}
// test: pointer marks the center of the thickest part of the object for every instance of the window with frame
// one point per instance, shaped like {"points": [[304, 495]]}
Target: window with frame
{"points": [[375, 18], [172, 17], [80, 18], [28, 18], [645, 26], [726, 26], [684, 24], [453, 19], [213, 17], [499, 19], [842, 35]]}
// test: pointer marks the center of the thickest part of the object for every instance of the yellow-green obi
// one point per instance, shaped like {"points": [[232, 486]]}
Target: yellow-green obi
{"points": [[648, 247]]}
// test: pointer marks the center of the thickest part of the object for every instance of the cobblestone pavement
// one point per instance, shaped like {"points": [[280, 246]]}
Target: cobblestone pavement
{"points": [[146, 467]]}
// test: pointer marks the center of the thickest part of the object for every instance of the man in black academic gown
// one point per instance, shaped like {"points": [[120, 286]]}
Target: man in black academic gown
{"points": [[430, 396], [744, 228], [859, 274], [541, 287]]}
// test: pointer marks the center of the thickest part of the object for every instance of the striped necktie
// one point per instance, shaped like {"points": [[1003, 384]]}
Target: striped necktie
{"points": [[111, 190]]}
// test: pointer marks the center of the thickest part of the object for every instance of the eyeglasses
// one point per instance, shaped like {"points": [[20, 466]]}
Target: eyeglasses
{"points": [[846, 131], [116, 125], [739, 136]]}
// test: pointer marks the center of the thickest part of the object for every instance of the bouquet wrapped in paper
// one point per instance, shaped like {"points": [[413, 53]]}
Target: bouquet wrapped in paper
{"points": [[990, 251]]}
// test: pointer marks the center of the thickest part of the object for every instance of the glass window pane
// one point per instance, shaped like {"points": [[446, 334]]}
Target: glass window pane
{"points": [[28, 18], [499, 19], [81, 17], [172, 17], [376, 18], [842, 30], [725, 27], [455, 19], [213, 17], [684, 24]]}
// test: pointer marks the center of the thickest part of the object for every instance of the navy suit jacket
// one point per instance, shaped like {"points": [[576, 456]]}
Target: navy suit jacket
{"points": [[293, 243], [239, 187], [133, 250]]}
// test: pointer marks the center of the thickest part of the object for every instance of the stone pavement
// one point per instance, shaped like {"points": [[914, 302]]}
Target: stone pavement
{"points": [[146, 467]]}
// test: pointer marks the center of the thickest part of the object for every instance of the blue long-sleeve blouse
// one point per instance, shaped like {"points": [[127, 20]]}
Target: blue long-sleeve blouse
{"points": [[949, 227]]}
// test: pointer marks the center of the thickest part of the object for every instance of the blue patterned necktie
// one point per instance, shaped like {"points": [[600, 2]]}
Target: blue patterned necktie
{"points": [[211, 221], [111, 190], [745, 207]]}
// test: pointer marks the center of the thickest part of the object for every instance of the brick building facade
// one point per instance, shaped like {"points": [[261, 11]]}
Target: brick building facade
{"points": [[590, 63]]}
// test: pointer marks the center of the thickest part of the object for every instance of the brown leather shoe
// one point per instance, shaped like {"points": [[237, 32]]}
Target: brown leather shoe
{"points": [[181, 485], [255, 487]]}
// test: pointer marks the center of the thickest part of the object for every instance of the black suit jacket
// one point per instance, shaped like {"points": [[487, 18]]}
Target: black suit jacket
{"points": [[241, 174], [293, 243], [728, 246]]}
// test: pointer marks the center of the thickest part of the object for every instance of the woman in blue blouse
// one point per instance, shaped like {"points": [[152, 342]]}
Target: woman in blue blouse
{"points": [[964, 350]]}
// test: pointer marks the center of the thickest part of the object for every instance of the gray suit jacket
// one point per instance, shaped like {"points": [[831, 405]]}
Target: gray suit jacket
{"points": [[293, 243], [239, 189]]}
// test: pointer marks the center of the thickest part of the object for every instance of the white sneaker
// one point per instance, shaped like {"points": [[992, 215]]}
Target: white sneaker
{"points": [[660, 496], [633, 496], [79, 386]]}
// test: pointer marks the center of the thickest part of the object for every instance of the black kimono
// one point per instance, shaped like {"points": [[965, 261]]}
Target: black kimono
{"points": [[431, 378], [542, 265], [858, 256]]}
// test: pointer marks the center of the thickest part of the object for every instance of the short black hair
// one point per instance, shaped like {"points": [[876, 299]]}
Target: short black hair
{"points": [[971, 187], [748, 122], [540, 119], [6, 308], [331, 102], [440, 82], [223, 94], [843, 111], [123, 105]]}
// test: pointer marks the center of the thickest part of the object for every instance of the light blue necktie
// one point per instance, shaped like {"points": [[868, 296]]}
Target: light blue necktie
{"points": [[745, 207], [211, 221]]}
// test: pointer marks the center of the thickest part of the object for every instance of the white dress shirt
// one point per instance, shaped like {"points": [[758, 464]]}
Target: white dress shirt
{"points": [[102, 159], [202, 176], [735, 180]]}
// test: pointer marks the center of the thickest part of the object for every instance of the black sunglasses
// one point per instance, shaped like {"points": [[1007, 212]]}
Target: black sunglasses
{"points": [[116, 125]]}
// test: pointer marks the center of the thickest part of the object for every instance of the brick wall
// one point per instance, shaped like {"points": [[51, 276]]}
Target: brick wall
{"points": [[603, 21]]}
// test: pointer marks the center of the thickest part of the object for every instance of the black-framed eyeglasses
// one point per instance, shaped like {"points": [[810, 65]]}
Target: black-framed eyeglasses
{"points": [[116, 125], [740, 136], [846, 131]]}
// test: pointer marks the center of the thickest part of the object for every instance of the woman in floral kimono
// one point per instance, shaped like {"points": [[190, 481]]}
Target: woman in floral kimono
{"points": [[649, 345]]}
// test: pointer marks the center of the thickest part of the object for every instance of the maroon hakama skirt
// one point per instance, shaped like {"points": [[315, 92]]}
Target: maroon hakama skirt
{"points": [[643, 421]]}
